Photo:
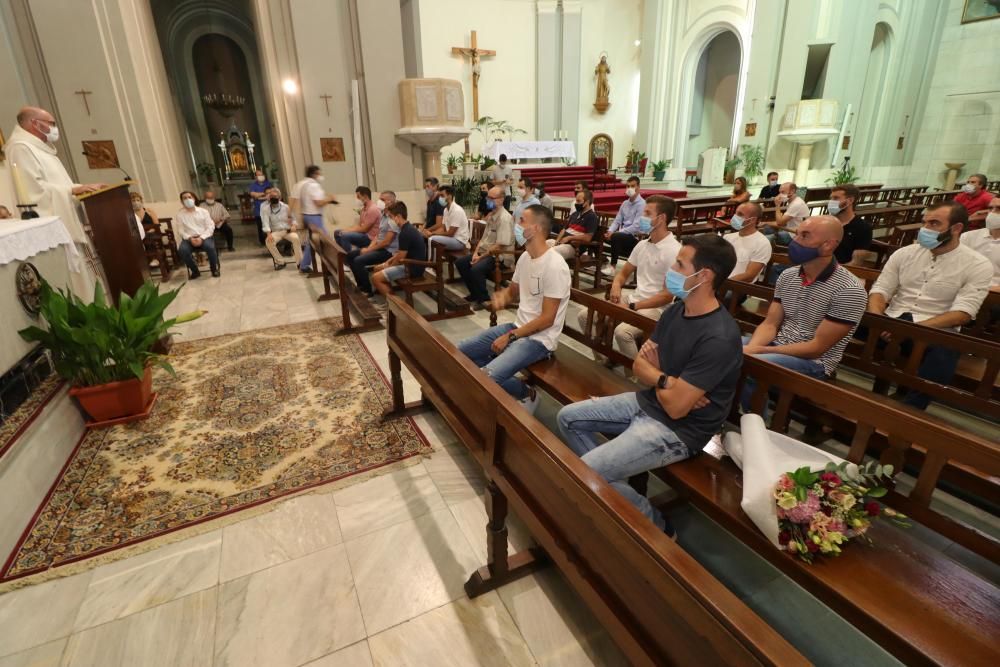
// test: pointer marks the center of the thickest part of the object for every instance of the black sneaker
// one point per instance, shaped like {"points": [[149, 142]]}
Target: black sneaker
{"points": [[279, 267], [215, 273], [470, 298], [231, 249], [195, 276], [668, 528]]}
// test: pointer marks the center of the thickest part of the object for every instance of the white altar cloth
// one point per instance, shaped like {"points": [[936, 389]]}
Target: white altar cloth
{"points": [[531, 149], [22, 239]]}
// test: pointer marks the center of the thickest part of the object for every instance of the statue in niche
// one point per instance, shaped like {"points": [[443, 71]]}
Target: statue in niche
{"points": [[603, 89]]}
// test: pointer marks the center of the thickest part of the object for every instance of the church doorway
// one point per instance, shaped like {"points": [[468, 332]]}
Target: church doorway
{"points": [[714, 95]]}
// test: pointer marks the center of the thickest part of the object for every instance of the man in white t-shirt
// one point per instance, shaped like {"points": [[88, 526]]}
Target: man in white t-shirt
{"points": [[753, 249], [791, 211], [503, 175], [649, 261], [541, 285], [312, 199], [454, 232], [986, 241]]}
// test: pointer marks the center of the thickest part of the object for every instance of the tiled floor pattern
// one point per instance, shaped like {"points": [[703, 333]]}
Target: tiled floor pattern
{"points": [[369, 574]]}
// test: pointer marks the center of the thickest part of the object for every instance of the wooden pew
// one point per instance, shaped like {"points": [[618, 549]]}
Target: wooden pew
{"points": [[655, 601], [876, 589], [934, 196], [448, 305], [336, 286]]}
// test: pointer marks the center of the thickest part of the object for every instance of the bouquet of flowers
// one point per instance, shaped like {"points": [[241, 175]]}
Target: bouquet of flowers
{"points": [[818, 512]]}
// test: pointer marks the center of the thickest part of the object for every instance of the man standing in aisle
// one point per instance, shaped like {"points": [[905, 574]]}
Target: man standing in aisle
{"points": [[312, 199], [258, 192], [32, 151], [220, 216]]}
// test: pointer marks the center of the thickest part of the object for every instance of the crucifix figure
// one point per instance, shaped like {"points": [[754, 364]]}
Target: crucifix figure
{"points": [[475, 53], [83, 93], [326, 100]]}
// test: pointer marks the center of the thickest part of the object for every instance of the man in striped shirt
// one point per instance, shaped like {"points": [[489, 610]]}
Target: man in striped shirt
{"points": [[816, 307]]}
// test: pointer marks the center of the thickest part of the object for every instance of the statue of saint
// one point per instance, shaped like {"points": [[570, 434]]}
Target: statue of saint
{"points": [[603, 89]]}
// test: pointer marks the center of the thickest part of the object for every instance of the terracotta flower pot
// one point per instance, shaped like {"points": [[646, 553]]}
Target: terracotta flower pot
{"points": [[115, 399]]}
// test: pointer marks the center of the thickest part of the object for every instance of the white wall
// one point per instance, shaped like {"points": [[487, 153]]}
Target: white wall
{"points": [[962, 117], [613, 27], [507, 86]]}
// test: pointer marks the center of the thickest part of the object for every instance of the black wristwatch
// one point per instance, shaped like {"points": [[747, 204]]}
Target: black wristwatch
{"points": [[511, 337], [631, 306], [661, 382]]}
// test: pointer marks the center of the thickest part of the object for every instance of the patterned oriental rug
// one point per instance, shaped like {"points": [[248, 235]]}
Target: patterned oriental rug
{"points": [[249, 418]]}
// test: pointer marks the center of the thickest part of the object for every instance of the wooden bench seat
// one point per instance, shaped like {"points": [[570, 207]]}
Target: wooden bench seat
{"points": [[336, 286]]}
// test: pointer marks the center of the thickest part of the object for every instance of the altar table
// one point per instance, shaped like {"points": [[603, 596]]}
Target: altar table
{"points": [[517, 150]]}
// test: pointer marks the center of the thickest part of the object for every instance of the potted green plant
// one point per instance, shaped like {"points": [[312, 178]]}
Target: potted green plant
{"points": [[107, 352], [730, 169], [272, 170], [452, 162], [753, 162], [660, 169], [631, 158], [642, 160], [846, 174], [206, 170]]}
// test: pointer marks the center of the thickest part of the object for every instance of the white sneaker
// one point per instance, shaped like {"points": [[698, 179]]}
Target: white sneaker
{"points": [[531, 402], [608, 270]]}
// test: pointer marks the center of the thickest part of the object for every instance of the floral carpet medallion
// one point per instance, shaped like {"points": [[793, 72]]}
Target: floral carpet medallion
{"points": [[248, 418]]}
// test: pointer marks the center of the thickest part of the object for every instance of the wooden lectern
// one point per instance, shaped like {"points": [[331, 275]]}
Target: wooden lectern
{"points": [[115, 236]]}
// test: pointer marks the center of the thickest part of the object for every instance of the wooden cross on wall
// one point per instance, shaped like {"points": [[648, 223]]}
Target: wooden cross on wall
{"points": [[83, 93], [475, 53], [326, 100]]}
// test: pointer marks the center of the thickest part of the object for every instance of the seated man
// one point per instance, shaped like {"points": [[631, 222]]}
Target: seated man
{"points": [[691, 364], [411, 246], [434, 210], [453, 233], [385, 246], [770, 191], [649, 261], [936, 282], [361, 235], [499, 236], [975, 199], [579, 229], [541, 285], [788, 220], [195, 227], [815, 308], [753, 250], [526, 198], [624, 230], [987, 241], [220, 216], [857, 233], [277, 223]]}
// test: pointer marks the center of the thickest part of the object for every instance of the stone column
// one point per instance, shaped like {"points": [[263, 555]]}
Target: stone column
{"points": [[572, 39], [548, 111]]}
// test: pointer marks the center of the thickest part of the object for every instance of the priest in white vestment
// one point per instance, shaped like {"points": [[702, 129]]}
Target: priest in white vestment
{"points": [[46, 183]]}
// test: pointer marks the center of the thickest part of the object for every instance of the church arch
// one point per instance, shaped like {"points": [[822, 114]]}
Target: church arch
{"points": [[601, 146], [872, 114]]}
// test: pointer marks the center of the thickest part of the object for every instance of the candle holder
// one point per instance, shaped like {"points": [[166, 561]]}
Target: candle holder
{"points": [[28, 211]]}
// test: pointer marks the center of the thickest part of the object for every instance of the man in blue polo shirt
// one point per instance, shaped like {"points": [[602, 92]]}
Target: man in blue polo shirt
{"points": [[411, 245], [627, 225], [258, 193]]}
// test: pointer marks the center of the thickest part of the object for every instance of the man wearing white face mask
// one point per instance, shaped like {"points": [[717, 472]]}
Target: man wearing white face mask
{"points": [[975, 199], [624, 230], [649, 261], [526, 193], [312, 201], [46, 183], [196, 230], [987, 241], [787, 221]]}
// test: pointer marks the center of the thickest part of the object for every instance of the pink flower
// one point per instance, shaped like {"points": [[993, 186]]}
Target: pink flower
{"points": [[785, 483], [803, 512], [830, 479]]}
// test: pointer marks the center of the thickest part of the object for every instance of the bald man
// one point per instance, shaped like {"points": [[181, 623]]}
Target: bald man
{"points": [[32, 148], [499, 237], [816, 307]]}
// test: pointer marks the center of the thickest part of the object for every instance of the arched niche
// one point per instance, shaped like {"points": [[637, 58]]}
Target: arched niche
{"points": [[601, 146], [711, 88]]}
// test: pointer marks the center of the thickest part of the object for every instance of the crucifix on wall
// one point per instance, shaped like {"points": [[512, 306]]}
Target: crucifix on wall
{"points": [[475, 53], [83, 93], [326, 100]]}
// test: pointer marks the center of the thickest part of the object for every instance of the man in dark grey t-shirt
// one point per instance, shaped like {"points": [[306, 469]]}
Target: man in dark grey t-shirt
{"points": [[691, 364]]}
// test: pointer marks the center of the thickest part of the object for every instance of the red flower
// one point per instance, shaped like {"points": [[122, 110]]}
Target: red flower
{"points": [[872, 508], [830, 479], [784, 537], [812, 546]]}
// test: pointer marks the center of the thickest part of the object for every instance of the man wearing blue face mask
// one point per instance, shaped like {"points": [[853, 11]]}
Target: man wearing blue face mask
{"points": [[753, 250], [498, 237], [815, 308], [648, 262], [625, 229], [936, 282], [692, 365]]}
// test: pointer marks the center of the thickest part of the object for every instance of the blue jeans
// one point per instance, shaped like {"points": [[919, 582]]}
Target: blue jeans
{"points": [[638, 443], [780, 235], [350, 240], [186, 251], [516, 356], [810, 367], [313, 221], [449, 242]]}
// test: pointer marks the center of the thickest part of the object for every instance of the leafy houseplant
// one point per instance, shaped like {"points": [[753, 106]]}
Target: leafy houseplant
{"points": [[467, 190], [452, 163], [660, 169], [730, 169], [753, 161], [846, 174], [106, 352], [272, 170], [206, 170]]}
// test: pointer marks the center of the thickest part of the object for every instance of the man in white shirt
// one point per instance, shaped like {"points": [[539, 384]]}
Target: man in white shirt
{"points": [[753, 249], [787, 220], [541, 285], [503, 175], [277, 224], [312, 199], [936, 282], [454, 231], [220, 216], [649, 260], [196, 229], [986, 241]]}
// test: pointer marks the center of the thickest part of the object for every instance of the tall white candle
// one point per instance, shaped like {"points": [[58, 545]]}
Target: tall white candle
{"points": [[22, 198]]}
